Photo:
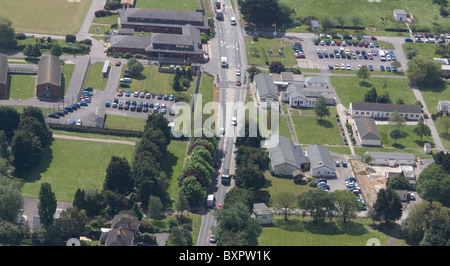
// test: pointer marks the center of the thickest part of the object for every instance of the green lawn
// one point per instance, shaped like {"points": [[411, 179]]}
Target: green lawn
{"points": [[71, 164], [188, 5], [48, 17], [445, 136], [67, 70], [22, 87], [410, 141], [371, 12], [432, 95], [155, 82], [102, 29], [257, 52], [125, 122], [113, 19], [173, 163], [418, 152], [298, 231], [95, 78], [426, 49], [312, 130], [350, 90]]}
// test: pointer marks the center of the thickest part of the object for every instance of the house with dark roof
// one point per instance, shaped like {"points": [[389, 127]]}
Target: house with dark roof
{"points": [[162, 21], [306, 97], [48, 81], [286, 157], [3, 75], [322, 164], [367, 130], [383, 111], [392, 159], [266, 91], [123, 231]]}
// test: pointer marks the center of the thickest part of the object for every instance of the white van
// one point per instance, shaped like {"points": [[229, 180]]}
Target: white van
{"points": [[224, 62], [127, 80], [233, 121], [233, 21]]}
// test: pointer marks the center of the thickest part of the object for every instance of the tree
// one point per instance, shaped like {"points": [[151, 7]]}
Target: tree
{"points": [[154, 207], [398, 182], [397, 120], [250, 177], [433, 184], [9, 121], [422, 130], [236, 227], [356, 21], [193, 190], [36, 51], [252, 72], [181, 204], [316, 203], [346, 205], [384, 98], [135, 67], [71, 38], [341, 21], [276, 67], [321, 109], [411, 53], [56, 50], [371, 96], [443, 50], [424, 71], [396, 134], [285, 202], [264, 11], [28, 50], [177, 237], [37, 129], [388, 206], [367, 160], [3, 145], [363, 73], [47, 204], [118, 176], [7, 34], [26, 150], [445, 122], [11, 199], [396, 64], [71, 222]]}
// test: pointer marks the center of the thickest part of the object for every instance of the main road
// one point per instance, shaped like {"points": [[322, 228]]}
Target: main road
{"points": [[230, 44]]}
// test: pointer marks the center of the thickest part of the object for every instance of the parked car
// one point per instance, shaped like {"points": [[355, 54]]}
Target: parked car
{"points": [[53, 115], [79, 122], [124, 85], [344, 164], [107, 104]]}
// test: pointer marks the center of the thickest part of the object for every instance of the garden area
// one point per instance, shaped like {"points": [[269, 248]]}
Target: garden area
{"points": [[263, 51]]}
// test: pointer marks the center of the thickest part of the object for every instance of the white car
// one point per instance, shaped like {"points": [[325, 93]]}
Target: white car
{"points": [[79, 122], [238, 72], [348, 67], [412, 196], [342, 66]]}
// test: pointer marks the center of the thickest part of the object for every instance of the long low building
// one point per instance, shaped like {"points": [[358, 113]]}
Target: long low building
{"points": [[287, 157], [3, 75], [322, 164], [368, 133], [384, 110], [392, 158]]}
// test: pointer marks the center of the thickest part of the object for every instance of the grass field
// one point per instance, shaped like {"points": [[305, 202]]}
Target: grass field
{"points": [[22, 87], [155, 82], [257, 52], [67, 70], [410, 141], [48, 17], [350, 90], [311, 130], [71, 164], [95, 78], [173, 163], [187, 5], [125, 122], [298, 231], [370, 11], [445, 136]]}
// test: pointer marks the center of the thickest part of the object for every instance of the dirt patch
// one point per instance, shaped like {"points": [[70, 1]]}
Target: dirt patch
{"points": [[369, 184]]}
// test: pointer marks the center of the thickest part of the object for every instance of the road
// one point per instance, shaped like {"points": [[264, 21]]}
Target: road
{"points": [[230, 43]]}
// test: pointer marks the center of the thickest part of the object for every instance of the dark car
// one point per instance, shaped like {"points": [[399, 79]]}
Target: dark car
{"points": [[88, 89], [53, 115], [107, 104], [159, 96], [124, 85], [120, 106]]}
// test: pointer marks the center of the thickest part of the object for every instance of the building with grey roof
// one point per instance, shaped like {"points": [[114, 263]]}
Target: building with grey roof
{"points": [[392, 158], [262, 213], [368, 133], [322, 164], [3, 75], [316, 81], [306, 97], [49, 77], [123, 231], [162, 21], [265, 89], [287, 157], [443, 106], [400, 15], [384, 110]]}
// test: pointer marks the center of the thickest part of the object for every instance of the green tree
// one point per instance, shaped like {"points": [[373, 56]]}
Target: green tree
{"points": [[11, 199], [424, 71], [135, 67], [46, 205], [397, 120], [396, 134], [9, 121], [118, 176], [341, 21], [250, 177], [286, 202], [398, 182], [433, 184], [384, 98], [321, 109], [181, 204], [37, 129], [4, 153], [356, 21], [71, 38], [263, 11], [316, 203], [422, 130], [371, 96], [7, 34], [388, 206], [28, 50], [71, 222], [56, 50], [26, 150], [346, 205], [193, 190], [363, 73], [155, 207], [36, 50], [177, 237]]}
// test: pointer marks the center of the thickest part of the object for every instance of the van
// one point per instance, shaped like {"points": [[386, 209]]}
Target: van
{"points": [[224, 62], [172, 111], [233, 121], [128, 80], [233, 21]]}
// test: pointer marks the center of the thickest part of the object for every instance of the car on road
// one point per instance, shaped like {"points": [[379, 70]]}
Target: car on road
{"points": [[171, 97], [120, 107], [83, 103], [238, 83], [127, 93], [348, 67], [382, 68], [120, 92], [337, 163], [212, 238], [342, 66], [219, 206], [238, 72], [344, 164], [412, 196], [370, 68], [118, 63]]}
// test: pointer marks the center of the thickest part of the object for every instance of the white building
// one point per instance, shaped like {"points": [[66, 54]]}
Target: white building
{"points": [[322, 165], [384, 110], [266, 91], [262, 213], [400, 15], [368, 133], [392, 159]]}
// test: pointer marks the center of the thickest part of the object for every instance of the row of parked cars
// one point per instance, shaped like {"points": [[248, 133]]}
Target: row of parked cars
{"points": [[138, 106], [352, 185], [298, 51], [429, 38], [85, 98], [355, 43], [342, 66]]}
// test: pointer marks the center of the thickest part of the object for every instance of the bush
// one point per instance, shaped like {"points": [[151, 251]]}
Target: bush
{"points": [[20, 36], [71, 38]]}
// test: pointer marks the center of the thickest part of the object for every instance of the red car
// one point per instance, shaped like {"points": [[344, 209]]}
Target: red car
{"points": [[118, 63], [120, 92], [219, 206], [238, 83]]}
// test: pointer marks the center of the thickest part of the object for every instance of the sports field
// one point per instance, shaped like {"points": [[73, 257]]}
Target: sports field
{"points": [[373, 12], [59, 17], [185, 5]]}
